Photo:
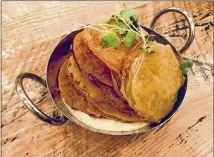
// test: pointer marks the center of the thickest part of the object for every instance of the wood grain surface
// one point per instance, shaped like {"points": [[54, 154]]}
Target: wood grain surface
{"points": [[31, 30]]}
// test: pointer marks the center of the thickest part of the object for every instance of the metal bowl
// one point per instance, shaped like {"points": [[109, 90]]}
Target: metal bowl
{"points": [[64, 50]]}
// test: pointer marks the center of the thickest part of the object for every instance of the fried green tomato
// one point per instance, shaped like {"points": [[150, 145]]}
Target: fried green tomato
{"points": [[112, 57], [117, 84], [103, 98], [89, 64], [72, 96], [153, 82]]}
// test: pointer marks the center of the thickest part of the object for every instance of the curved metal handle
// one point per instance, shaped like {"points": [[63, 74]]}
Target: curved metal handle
{"points": [[55, 119], [187, 17]]}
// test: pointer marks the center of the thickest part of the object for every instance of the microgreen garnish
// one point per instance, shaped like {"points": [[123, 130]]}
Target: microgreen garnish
{"points": [[130, 16], [128, 40], [110, 39], [149, 38], [127, 13], [134, 21], [151, 51], [123, 26], [120, 28], [124, 23], [185, 65]]}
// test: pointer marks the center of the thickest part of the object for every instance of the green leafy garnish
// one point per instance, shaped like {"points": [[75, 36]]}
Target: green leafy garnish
{"points": [[185, 65], [128, 40], [113, 21], [130, 16], [110, 39], [151, 51], [123, 26], [127, 13], [149, 38], [133, 20]]}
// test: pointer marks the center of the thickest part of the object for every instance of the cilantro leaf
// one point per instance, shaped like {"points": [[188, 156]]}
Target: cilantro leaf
{"points": [[130, 37], [185, 66], [110, 39]]}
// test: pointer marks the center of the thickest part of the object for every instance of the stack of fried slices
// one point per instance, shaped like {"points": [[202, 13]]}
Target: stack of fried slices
{"points": [[124, 84]]}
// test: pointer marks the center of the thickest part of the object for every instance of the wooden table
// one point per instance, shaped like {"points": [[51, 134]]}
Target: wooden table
{"points": [[30, 32]]}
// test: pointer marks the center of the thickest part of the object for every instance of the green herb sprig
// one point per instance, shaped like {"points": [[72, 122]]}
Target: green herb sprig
{"points": [[110, 39], [121, 28], [123, 24], [185, 65], [126, 23], [147, 40]]}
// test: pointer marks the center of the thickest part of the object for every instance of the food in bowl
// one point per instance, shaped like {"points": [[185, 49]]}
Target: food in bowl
{"points": [[117, 71]]}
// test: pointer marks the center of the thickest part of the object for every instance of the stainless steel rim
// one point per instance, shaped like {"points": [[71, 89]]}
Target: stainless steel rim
{"points": [[55, 119], [186, 16]]}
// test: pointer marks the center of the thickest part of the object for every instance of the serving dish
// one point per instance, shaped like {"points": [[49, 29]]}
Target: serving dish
{"points": [[62, 52]]}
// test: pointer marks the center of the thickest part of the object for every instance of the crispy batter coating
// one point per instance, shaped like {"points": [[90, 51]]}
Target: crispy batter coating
{"points": [[72, 96], [89, 64], [153, 82], [103, 98], [145, 85], [112, 57]]}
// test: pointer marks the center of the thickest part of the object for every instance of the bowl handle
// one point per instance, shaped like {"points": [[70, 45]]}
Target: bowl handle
{"points": [[187, 17], [55, 119]]}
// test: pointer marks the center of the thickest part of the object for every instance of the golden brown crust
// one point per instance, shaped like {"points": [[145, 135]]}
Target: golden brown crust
{"points": [[144, 85], [72, 96], [100, 96], [112, 57], [153, 87], [89, 64]]}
